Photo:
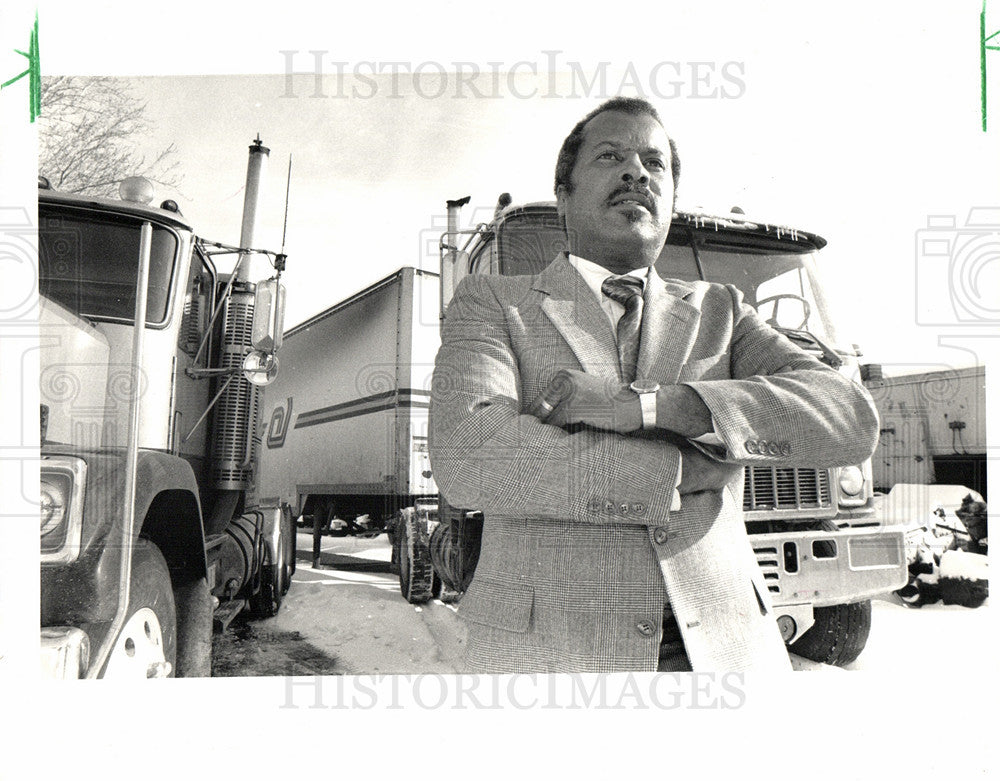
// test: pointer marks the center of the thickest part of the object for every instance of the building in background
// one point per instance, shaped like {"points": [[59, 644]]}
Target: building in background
{"points": [[933, 429]]}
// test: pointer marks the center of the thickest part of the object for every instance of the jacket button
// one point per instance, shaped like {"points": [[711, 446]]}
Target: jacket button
{"points": [[623, 508], [646, 628], [786, 449], [661, 535], [609, 507], [751, 446], [638, 508]]}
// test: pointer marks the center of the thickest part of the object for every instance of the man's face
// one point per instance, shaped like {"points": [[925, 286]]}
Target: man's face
{"points": [[619, 211]]}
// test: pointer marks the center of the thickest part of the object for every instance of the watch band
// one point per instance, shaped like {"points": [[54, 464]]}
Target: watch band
{"points": [[647, 401]]}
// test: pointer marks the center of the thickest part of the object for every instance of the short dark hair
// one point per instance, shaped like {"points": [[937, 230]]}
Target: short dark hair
{"points": [[570, 149]]}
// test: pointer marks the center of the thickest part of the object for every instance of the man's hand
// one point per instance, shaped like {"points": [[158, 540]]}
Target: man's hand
{"points": [[574, 397], [701, 473]]}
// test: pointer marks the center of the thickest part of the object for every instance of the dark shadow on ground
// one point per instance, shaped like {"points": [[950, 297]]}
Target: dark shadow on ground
{"points": [[248, 648], [348, 563]]}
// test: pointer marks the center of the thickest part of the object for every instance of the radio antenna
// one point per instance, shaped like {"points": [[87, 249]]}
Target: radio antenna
{"points": [[288, 187]]}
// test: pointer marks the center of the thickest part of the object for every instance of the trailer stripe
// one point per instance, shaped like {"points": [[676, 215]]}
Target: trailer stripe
{"points": [[377, 402]]}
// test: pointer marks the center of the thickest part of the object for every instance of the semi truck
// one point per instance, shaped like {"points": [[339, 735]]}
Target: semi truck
{"points": [[152, 363], [348, 424], [346, 420]]}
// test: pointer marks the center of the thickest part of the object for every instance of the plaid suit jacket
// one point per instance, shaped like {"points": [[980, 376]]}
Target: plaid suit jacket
{"points": [[579, 549]]}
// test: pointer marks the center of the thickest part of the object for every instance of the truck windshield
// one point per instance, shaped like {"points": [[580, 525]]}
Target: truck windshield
{"points": [[778, 278], [88, 263], [784, 287]]}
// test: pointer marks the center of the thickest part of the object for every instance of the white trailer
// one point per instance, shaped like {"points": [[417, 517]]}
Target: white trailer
{"points": [[346, 420], [933, 428]]}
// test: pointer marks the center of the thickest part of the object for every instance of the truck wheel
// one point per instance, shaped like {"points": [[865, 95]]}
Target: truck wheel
{"points": [[267, 602], [147, 645], [416, 575], [194, 629], [839, 635]]}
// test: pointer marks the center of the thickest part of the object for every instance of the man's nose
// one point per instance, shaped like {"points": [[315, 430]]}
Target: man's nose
{"points": [[634, 170]]}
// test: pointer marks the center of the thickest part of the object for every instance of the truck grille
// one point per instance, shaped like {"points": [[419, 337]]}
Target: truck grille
{"points": [[238, 407], [785, 488], [767, 560]]}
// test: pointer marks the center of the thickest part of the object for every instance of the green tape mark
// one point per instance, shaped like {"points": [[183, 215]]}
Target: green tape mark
{"points": [[34, 74], [983, 40]]}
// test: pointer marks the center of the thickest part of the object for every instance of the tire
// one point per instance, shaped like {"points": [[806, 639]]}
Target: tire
{"points": [[839, 634], [290, 552], [393, 533], [416, 575], [266, 602], [147, 644], [194, 629]]}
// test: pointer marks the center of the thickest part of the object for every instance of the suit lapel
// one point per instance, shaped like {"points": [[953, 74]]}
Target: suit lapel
{"points": [[669, 328], [577, 315]]}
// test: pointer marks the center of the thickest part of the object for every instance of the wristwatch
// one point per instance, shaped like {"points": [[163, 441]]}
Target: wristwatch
{"points": [[646, 390]]}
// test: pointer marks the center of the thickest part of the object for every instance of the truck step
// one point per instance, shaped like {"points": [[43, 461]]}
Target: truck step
{"points": [[226, 612]]}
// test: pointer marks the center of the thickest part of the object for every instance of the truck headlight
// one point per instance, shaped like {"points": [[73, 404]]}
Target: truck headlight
{"points": [[60, 508], [54, 496], [852, 481]]}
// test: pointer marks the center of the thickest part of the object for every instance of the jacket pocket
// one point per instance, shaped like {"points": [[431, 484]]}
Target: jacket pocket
{"points": [[715, 367], [499, 605]]}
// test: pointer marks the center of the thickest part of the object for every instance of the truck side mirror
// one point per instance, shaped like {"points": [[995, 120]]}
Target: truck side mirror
{"points": [[268, 316], [260, 368]]}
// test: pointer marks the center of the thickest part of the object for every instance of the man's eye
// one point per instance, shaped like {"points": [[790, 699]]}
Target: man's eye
{"points": [[656, 163], [608, 156]]}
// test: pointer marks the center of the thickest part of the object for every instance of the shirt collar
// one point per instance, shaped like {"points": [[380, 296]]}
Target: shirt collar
{"points": [[594, 274]]}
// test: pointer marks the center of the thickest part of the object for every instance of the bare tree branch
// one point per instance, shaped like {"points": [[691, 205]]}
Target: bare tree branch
{"points": [[91, 132]]}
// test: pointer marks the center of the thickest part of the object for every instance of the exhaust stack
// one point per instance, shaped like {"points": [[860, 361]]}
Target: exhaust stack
{"points": [[256, 167], [234, 440], [450, 272]]}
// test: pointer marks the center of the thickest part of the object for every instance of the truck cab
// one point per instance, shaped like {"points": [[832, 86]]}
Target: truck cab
{"points": [[149, 521]]}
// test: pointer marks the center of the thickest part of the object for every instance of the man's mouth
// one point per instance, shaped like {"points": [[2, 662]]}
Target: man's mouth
{"points": [[637, 197]]}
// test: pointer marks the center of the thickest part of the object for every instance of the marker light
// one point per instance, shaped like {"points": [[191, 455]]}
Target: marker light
{"points": [[136, 189]]}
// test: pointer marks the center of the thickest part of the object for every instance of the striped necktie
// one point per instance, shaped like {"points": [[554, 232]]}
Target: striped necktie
{"points": [[627, 291]]}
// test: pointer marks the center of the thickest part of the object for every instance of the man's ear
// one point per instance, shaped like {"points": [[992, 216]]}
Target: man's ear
{"points": [[561, 201]]}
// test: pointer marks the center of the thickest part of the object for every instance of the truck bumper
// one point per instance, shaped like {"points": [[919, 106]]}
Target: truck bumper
{"points": [[822, 568], [65, 652]]}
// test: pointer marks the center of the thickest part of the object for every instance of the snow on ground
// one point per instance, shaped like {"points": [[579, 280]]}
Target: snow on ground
{"points": [[934, 638]]}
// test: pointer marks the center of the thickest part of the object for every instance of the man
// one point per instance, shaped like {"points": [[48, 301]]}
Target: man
{"points": [[611, 504]]}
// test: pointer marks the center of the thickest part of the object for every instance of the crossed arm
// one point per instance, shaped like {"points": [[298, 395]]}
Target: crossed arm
{"points": [[776, 392], [489, 455]]}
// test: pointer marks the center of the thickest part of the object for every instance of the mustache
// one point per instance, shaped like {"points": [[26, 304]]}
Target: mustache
{"points": [[634, 189]]}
